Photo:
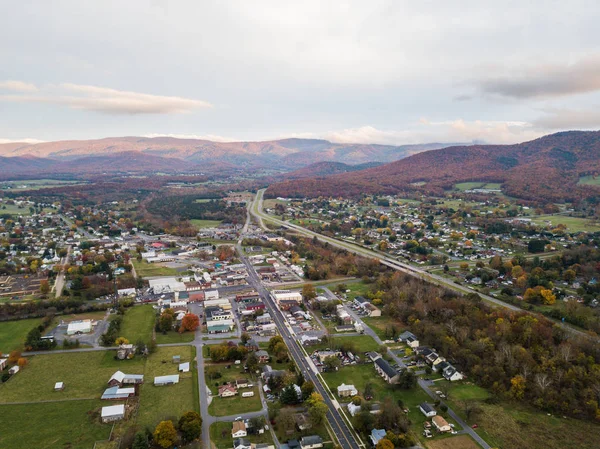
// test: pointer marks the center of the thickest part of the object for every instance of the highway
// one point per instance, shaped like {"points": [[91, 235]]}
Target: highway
{"points": [[257, 211]]}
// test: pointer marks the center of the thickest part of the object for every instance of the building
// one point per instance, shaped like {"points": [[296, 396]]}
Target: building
{"points": [[386, 371], [119, 378], [263, 356], [241, 443], [166, 380], [79, 327], [3, 363], [441, 424], [59, 386], [117, 393], [346, 390], [377, 435], [427, 409], [311, 442], [353, 409], [286, 295], [219, 326], [113, 413], [13, 370], [410, 339], [184, 367], [227, 391], [239, 429], [302, 421]]}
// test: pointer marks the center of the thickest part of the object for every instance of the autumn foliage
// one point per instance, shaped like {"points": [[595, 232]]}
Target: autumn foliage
{"points": [[189, 323]]}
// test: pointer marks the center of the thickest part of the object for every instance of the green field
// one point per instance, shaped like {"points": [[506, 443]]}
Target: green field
{"points": [[13, 333], [58, 425], [477, 185], [170, 401], [174, 337], [220, 435], [573, 224], [145, 269], [382, 323], [205, 200], [361, 343], [234, 405], [36, 184], [138, 323], [589, 181], [206, 223]]}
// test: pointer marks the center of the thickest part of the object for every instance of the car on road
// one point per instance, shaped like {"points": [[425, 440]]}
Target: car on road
{"points": [[239, 418], [474, 426]]}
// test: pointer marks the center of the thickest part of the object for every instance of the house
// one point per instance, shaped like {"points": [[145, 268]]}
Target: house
{"points": [[346, 390], [373, 356], [13, 370], [242, 383], [263, 356], [227, 391], [184, 367], [302, 421], [3, 363], [239, 429], [371, 310], [353, 409], [263, 446], [166, 380], [385, 370], [427, 410], [119, 378], [251, 345], [410, 339], [449, 372], [311, 442], [113, 413], [241, 443], [117, 393], [441, 424], [377, 435], [287, 295], [59, 386], [269, 372]]}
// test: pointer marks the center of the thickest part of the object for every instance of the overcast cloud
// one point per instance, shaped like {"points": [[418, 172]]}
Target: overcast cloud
{"points": [[393, 72]]}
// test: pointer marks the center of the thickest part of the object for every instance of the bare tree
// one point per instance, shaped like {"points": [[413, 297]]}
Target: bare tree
{"points": [[543, 381]]}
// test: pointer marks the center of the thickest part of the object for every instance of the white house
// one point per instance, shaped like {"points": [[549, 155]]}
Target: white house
{"points": [[441, 424], [239, 429], [346, 390], [427, 410], [184, 367]]}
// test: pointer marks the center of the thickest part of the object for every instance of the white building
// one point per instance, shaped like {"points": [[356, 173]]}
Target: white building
{"points": [[79, 327], [286, 295], [113, 413]]}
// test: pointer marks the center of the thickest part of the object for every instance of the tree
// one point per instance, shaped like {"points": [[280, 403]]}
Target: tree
{"points": [[189, 323], [165, 322], [140, 441], [22, 362], [44, 287], [471, 409], [280, 351], [273, 341], [121, 341], [307, 388], [245, 337], [464, 266], [190, 426], [14, 356], [286, 421], [317, 409], [252, 362], [289, 396], [165, 434], [308, 292], [517, 388], [384, 443]]}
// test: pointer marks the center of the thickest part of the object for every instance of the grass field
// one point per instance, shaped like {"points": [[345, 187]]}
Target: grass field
{"points": [[170, 401], [356, 288], [589, 181], [138, 323], [205, 200], [206, 223], [36, 184], [234, 405], [61, 425], [381, 324], [456, 442], [13, 333], [145, 269], [573, 224], [174, 337], [362, 343], [220, 435], [477, 185]]}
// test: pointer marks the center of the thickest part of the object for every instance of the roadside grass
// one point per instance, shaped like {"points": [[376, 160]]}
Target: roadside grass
{"points": [[57, 425], [454, 442], [361, 343], [205, 223], [220, 435], [145, 269], [174, 337], [170, 401], [138, 323], [13, 333], [383, 324], [85, 375]]}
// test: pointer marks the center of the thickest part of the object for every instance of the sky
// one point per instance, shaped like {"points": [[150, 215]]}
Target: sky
{"points": [[389, 72]]}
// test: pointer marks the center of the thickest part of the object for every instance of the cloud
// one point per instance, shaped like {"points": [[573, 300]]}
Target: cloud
{"points": [[19, 86], [108, 101], [557, 118], [27, 140], [454, 131], [211, 137], [546, 81]]}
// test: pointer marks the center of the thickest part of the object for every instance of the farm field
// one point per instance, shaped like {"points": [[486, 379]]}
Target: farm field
{"points": [[138, 323], [206, 223], [573, 224], [68, 424], [37, 184], [477, 185], [13, 333], [589, 181], [145, 269]]}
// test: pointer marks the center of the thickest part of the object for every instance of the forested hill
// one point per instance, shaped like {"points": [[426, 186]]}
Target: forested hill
{"points": [[547, 169]]}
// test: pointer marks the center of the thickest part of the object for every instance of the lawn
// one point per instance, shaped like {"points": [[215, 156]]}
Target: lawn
{"points": [[138, 323], [220, 435], [170, 401], [573, 224], [59, 425], [362, 343], [174, 337], [455, 442], [356, 289], [234, 405], [145, 269], [382, 324], [13, 333], [206, 223]]}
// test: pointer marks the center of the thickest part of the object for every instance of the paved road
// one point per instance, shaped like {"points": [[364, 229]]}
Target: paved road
{"points": [[257, 211], [60, 279]]}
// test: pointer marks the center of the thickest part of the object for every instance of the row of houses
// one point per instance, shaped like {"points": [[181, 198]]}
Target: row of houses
{"points": [[439, 364]]}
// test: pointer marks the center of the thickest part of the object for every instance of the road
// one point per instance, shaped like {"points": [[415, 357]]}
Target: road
{"points": [[257, 211], [59, 284]]}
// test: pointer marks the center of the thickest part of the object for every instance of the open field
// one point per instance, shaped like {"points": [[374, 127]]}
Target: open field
{"points": [[85, 375], [477, 185], [57, 425], [174, 337], [356, 288], [206, 223], [573, 224], [13, 333], [36, 184], [138, 323], [145, 269], [381, 324], [12, 209], [589, 181], [455, 442], [361, 343], [220, 435], [170, 401]]}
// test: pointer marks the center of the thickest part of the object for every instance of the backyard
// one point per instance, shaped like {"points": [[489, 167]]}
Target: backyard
{"points": [[233, 405], [220, 435]]}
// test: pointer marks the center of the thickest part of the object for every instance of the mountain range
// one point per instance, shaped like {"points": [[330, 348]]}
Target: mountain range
{"points": [[544, 170], [172, 154]]}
